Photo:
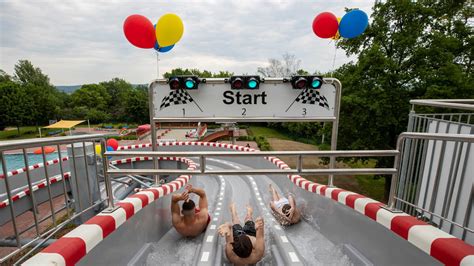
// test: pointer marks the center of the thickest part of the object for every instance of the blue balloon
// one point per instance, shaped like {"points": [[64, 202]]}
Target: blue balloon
{"points": [[162, 49], [353, 23], [109, 148]]}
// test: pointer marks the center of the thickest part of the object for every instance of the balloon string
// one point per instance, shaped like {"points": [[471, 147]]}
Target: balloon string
{"points": [[157, 65], [334, 59]]}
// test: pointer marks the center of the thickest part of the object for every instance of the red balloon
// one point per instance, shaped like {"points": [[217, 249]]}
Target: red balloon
{"points": [[139, 31], [325, 25], [113, 143]]}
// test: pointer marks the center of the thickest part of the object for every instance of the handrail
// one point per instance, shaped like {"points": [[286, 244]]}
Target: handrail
{"points": [[350, 153], [464, 104], [27, 143], [416, 135]]}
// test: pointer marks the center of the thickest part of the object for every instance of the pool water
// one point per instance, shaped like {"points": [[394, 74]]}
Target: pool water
{"points": [[15, 161]]}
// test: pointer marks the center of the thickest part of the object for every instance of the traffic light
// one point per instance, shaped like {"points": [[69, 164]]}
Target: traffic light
{"points": [[184, 82], [244, 82], [303, 82]]}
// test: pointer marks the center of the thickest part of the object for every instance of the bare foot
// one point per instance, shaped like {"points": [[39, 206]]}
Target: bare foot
{"points": [[270, 188], [232, 206], [249, 210]]}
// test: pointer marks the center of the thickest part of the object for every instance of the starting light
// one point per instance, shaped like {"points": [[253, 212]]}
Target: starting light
{"points": [[244, 82], [303, 82], [184, 82]]}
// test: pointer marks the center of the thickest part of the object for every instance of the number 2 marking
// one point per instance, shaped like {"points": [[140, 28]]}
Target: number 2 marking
{"points": [[304, 111], [244, 111]]}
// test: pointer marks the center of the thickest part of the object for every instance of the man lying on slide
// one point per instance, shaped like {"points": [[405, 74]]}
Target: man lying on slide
{"points": [[190, 221], [284, 209], [244, 245]]}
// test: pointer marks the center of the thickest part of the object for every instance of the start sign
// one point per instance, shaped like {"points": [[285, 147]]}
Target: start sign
{"points": [[214, 99]]}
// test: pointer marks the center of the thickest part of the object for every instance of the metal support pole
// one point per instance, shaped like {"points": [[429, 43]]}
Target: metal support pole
{"points": [[10, 201], [299, 163], [153, 131], [202, 160], [32, 193], [107, 182], [48, 185], [334, 132]]}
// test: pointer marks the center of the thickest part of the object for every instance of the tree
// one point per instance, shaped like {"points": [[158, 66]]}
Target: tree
{"points": [[91, 96], [197, 72], [137, 106], [285, 68], [118, 90], [14, 105], [43, 100], [412, 49]]}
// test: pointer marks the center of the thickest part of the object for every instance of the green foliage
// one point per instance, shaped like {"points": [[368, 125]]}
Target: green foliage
{"points": [[14, 105], [412, 49], [197, 72]]}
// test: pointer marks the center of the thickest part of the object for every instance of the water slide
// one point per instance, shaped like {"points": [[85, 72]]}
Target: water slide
{"points": [[330, 233], [218, 135]]}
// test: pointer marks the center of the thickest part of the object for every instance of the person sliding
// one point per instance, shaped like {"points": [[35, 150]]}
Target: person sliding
{"points": [[244, 245], [284, 209], [190, 221]]}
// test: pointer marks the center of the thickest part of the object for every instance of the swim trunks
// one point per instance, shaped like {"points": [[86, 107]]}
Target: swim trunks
{"points": [[249, 229]]}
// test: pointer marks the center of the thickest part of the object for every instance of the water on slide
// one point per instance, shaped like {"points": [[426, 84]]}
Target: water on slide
{"points": [[313, 247]]}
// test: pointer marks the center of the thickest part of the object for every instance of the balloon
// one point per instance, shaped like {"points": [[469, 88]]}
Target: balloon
{"points": [[98, 149], [169, 30], [353, 23], [162, 49], [337, 36], [325, 25], [110, 148], [112, 143], [139, 31]]}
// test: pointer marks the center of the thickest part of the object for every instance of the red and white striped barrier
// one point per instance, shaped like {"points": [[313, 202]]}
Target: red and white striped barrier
{"points": [[43, 183], [444, 247], [73, 246], [32, 167]]}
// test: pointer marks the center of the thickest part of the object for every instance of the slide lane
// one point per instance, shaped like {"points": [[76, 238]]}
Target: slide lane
{"points": [[300, 244]]}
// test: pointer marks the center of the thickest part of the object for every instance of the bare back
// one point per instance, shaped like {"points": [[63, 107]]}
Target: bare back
{"points": [[256, 255], [192, 228]]}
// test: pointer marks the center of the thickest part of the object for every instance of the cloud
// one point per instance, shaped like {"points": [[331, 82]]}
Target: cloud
{"points": [[82, 41]]}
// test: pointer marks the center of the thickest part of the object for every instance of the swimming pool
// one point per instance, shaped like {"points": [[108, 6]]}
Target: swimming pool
{"points": [[16, 161]]}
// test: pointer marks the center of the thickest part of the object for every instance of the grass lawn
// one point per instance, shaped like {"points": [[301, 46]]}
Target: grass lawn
{"points": [[26, 133], [267, 132]]}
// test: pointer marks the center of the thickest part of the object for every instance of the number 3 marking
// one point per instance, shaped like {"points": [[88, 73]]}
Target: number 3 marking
{"points": [[304, 111]]}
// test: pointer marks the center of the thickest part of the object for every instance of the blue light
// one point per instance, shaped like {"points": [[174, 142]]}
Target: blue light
{"points": [[252, 84], [190, 84], [315, 83]]}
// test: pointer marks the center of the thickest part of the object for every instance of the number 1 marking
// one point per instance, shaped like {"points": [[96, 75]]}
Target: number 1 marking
{"points": [[184, 112]]}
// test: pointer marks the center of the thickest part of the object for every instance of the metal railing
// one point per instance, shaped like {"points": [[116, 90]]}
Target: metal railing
{"points": [[204, 155], [51, 199], [433, 181], [403, 195]]}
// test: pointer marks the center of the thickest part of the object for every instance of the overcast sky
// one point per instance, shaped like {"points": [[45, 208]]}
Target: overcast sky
{"points": [[77, 42]]}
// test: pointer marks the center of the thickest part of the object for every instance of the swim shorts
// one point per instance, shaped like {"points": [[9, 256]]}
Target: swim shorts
{"points": [[249, 229]]}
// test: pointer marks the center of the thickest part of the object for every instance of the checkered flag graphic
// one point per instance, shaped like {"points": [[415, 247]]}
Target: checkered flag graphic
{"points": [[311, 96], [176, 97]]}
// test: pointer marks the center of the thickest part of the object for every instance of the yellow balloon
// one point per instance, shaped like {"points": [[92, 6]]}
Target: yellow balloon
{"points": [[98, 149], [169, 30], [337, 36]]}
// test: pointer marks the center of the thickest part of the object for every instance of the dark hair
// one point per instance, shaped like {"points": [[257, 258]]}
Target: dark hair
{"points": [[285, 209], [188, 205], [242, 246]]}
